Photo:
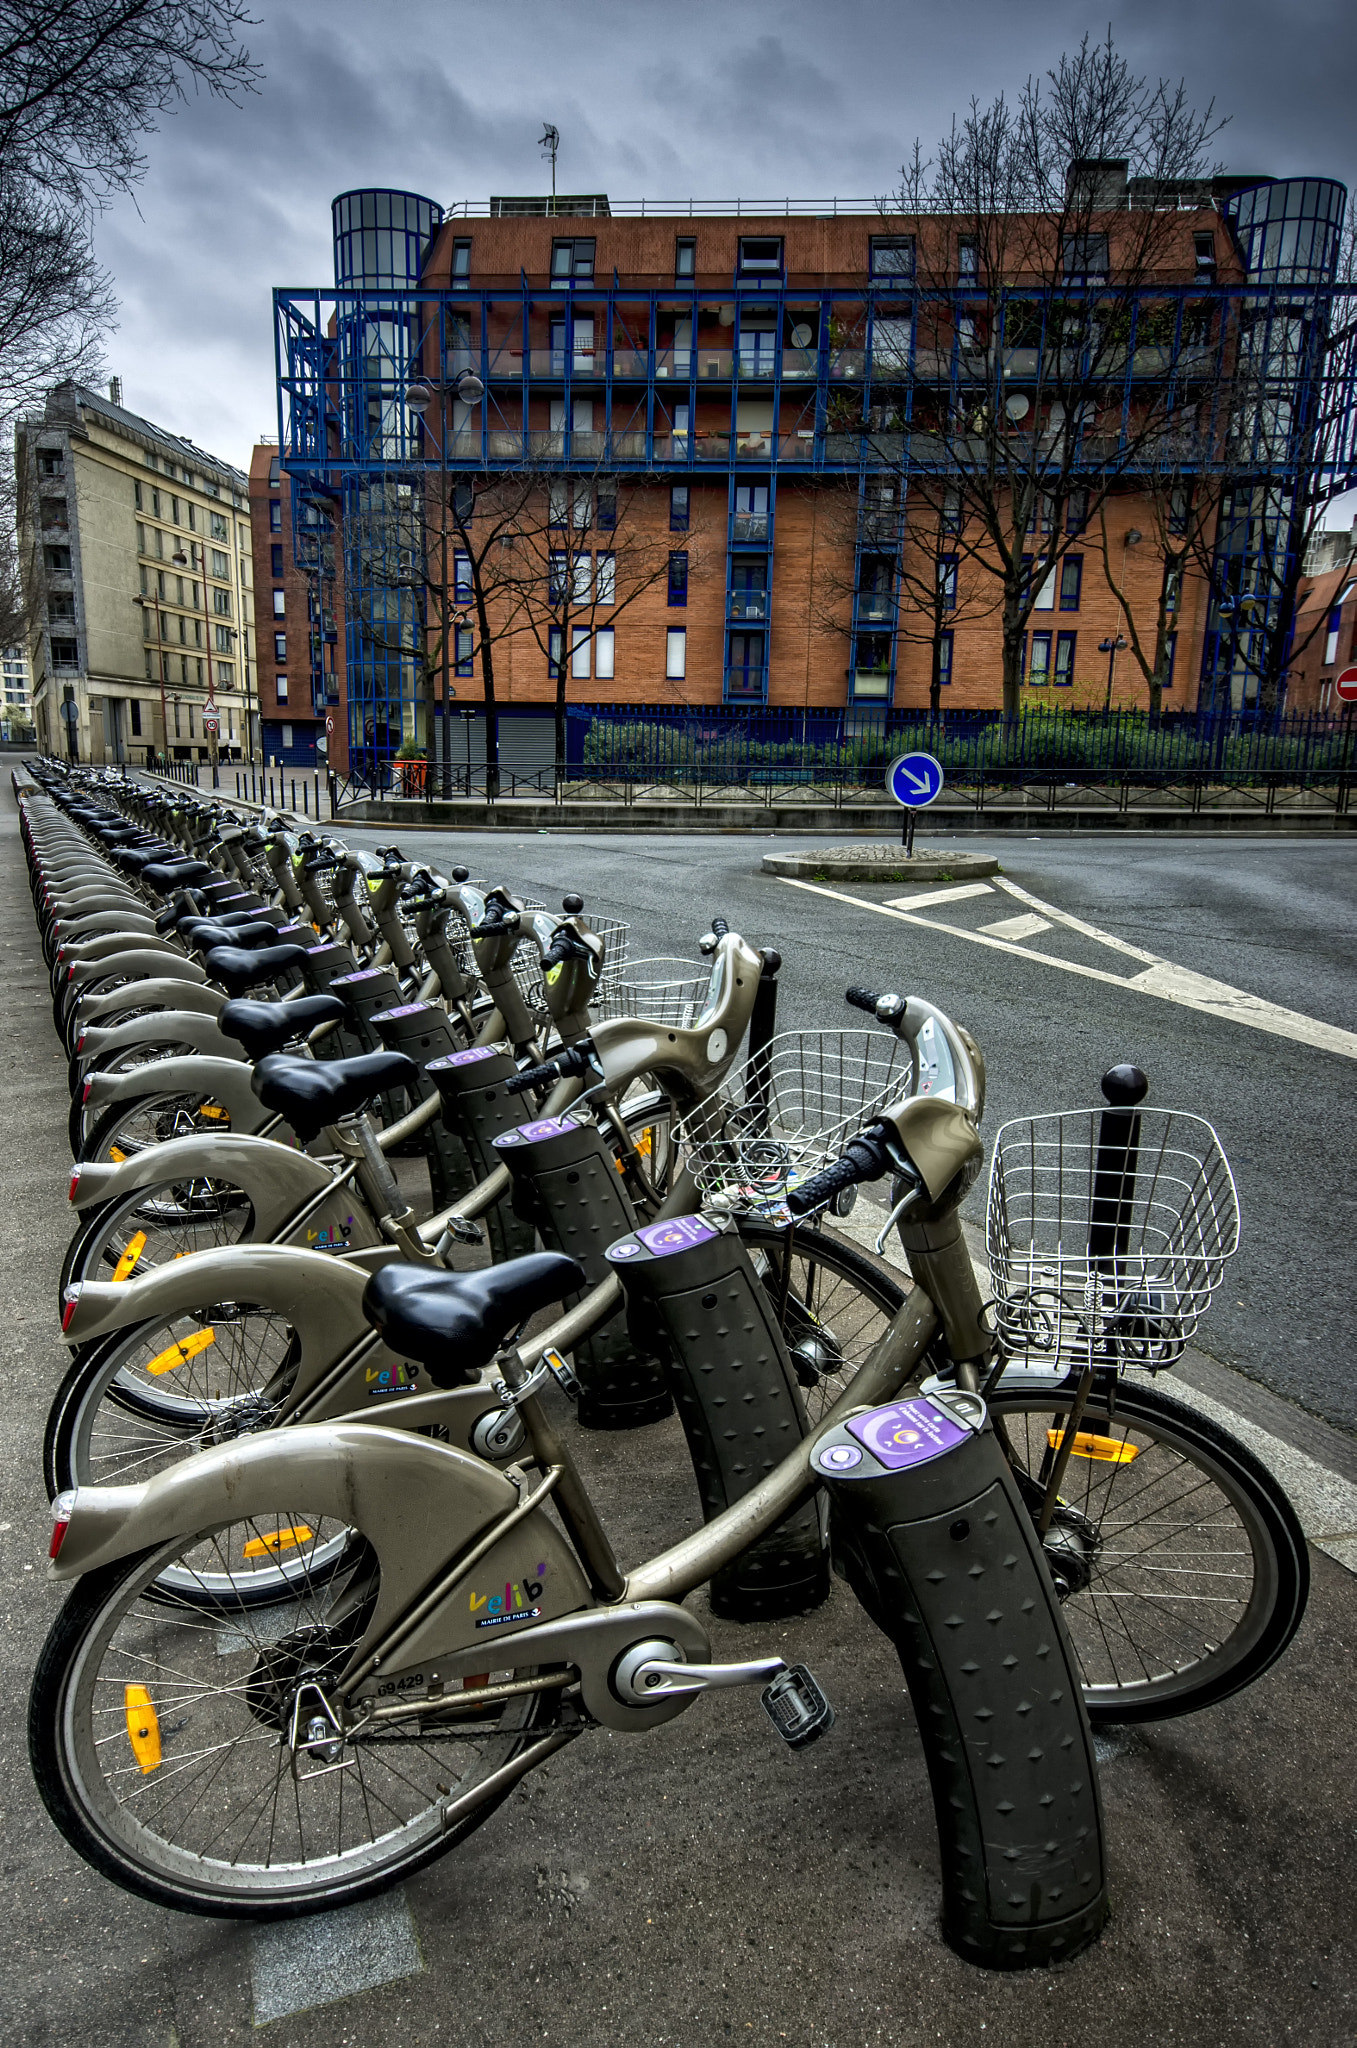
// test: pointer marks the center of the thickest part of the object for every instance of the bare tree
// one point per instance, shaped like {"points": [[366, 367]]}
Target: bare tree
{"points": [[1181, 512], [1019, 399], [578, 560]]}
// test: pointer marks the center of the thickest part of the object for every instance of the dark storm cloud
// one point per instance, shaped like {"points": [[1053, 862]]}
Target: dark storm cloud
{"points": [[711, 100]]}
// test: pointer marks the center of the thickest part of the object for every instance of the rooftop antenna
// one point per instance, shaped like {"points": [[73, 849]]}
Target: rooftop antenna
{"points": [[549, 143]]}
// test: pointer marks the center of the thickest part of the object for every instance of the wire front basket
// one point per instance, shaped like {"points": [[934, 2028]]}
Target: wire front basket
{"points": [[672, 992], [788, 1111], [1107, 1232], [527, 960]]}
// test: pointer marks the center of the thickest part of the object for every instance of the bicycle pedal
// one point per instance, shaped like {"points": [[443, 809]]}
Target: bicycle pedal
{"points": [[797, 1707]]}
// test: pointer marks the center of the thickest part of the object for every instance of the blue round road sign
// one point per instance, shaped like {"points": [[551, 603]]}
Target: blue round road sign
{"points": [[914, 779]]}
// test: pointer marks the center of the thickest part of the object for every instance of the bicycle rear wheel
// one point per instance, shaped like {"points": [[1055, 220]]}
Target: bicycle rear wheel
{"points": [[832, 1303], [135, 1233], [160, 1735], [1181, 1566]]}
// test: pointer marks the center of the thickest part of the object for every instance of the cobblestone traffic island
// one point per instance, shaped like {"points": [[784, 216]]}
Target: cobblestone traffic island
{"points": [[878, 860]]}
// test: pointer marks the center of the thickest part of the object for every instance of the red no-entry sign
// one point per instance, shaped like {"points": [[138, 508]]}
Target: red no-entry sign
{"points": [[1346, 685]]}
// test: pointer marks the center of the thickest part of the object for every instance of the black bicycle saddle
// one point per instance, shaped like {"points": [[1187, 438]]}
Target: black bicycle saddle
{"points": [[263, 1028], [455, 1322], [236, 970], [314, 1093]]}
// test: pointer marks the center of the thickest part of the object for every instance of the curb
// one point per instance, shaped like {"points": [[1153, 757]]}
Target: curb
{"points": [[877, 863]]}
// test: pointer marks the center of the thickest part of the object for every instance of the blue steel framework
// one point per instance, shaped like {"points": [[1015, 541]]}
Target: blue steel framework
{"points": [[633, 357]]}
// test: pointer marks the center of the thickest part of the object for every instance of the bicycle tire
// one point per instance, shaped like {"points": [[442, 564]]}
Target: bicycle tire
{"points": [[66, 1765], [1127, 1587], [101, 1238]]}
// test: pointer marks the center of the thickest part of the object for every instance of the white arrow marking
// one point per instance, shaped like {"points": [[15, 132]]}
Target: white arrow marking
{"points": [[919, 782]]}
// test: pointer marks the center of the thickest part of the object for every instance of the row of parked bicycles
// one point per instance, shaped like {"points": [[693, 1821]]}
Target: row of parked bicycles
{"points": [[385, 1180]]}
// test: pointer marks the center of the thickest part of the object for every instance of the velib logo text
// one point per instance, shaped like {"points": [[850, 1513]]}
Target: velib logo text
{"points": [[516, 1603], [383, 1380]]}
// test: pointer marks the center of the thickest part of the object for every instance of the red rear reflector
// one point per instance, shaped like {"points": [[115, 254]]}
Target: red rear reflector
{"points": [[69, 1307], [75, 1182], [61, 1521], [85, 1095], [70, 970]]}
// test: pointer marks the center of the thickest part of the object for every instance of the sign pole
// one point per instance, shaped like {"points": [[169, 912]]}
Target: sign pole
{"points": [[913, 780]]}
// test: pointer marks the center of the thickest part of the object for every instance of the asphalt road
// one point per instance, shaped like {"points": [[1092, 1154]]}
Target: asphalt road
{"points": [[705, 1886], [1276, 919]]}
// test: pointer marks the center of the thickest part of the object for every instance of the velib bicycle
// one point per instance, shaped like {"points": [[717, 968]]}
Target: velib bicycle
{"points": [[445, 1627]]}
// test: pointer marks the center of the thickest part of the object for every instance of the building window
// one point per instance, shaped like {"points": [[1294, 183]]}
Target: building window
{"points": [[685, 258], [1205, 246], [1064, 659], [178, 728], [136, 496], [280, 646], [676, 654], [223, 639], [968, 260], [947, 574], [276, 559], [1330, 640], [183, 630], [558, 576], [678, 508], [147, 623], [280, 688], [572, 260], [605, 578], [1044, 600], [605, 516], [461, 579], [226, 675], [1180, 508], [155, 504], [174, 510], [580, 638], [463, 651], [1076, 512], [892, 256], [1085, 259], [1039, 667], [58, 560], [216, 522], [275, 519], [605, 650], [945, 659], [135, 710], [221, 603], [221, 565], [279, 604], [198, 678], [678, 581], [287, 736], [554, 644], [461, 261], [760, 256], [65, 657], [1071, 578]]}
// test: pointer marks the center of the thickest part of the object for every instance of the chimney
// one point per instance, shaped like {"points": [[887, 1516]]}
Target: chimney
{"points": [[115, 390]]}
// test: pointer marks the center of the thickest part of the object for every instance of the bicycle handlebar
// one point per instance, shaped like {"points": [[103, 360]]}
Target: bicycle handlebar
{"points": [[864, 1158], [574, 1060]]}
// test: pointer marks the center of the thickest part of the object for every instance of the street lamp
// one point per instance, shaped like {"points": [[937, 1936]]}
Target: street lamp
{"points": [[1111, 648]]}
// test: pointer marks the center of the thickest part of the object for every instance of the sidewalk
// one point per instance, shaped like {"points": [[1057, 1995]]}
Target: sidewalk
{"points": [[703, 1885]]}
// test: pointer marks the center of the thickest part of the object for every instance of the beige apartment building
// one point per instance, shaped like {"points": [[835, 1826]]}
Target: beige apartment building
{"points": [[135, 554]]}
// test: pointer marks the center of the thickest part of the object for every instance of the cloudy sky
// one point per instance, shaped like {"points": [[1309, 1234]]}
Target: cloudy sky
{"points": [[708, 99]]}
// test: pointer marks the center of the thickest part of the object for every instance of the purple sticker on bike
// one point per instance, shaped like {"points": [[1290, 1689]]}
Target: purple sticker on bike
{"points": [[405, 1010], [545, 1127], [363, 974], [663, 1239], [464, 1059], [907, 1433]]}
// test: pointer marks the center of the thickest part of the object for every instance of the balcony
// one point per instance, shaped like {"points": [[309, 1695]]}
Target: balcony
{"points": [[875, 608], [871, 685], [751, 605], [746, 685]]}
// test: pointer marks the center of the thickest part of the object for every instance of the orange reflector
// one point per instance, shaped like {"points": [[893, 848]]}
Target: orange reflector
{"points": [[214, 1110], [116, 1155], [143, 1727], [644, 1143], [1109, 1450], [281, 1539], [180, 1353], [135, 1247]]}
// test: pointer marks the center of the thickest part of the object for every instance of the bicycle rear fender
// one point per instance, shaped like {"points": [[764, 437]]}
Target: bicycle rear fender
{"points": [[131, 923], [179, 1027], [417, 1502], [277, 1179], [102, 945], [138, 963], [225, 1081], [156, 994], [315, 1292]]}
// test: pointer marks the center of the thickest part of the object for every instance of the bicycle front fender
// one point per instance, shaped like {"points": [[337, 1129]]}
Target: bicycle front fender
{"points": [[277, 1179]]}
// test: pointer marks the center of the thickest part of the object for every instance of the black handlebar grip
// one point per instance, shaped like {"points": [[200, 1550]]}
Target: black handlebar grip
{"points": [[559, 951], [864, 1158], [532, 1077], [719, 927], [861, 999]]}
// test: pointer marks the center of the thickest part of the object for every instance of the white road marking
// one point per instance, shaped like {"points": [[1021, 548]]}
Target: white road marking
{"points": [[1169, 983], [1075, 924], [1025, 927], [952, 895]]}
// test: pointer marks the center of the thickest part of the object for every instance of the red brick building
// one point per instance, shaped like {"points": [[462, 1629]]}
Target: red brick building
{"points": [[301, 674]]}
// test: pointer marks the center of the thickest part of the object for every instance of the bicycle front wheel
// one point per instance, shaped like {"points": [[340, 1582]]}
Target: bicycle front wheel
{"points": [[1180, 1564], [163, 1734]]}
